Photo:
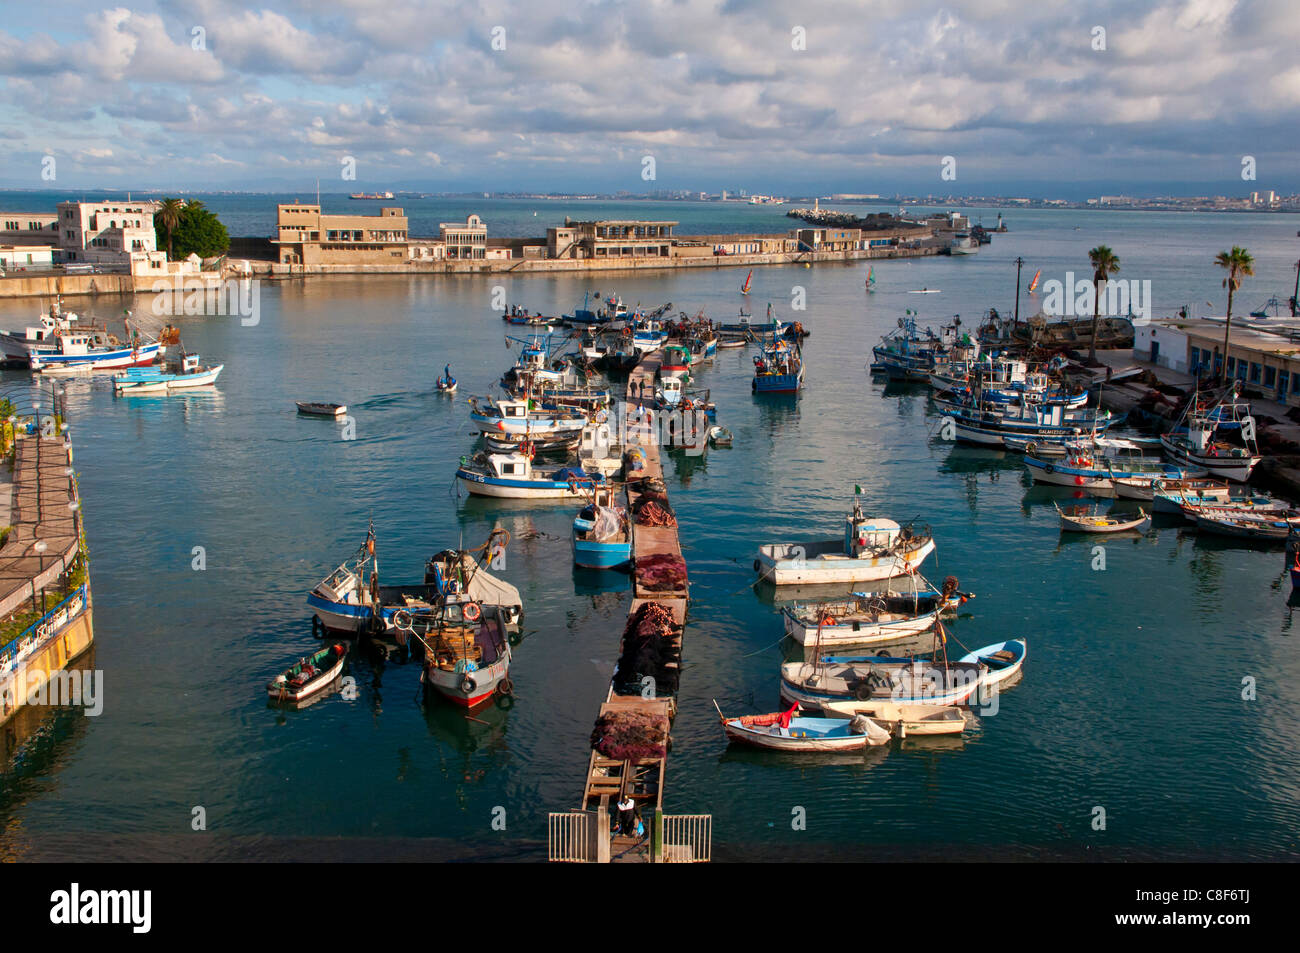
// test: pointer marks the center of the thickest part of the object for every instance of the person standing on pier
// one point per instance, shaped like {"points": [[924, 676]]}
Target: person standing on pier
{"points": [[627, 816]]}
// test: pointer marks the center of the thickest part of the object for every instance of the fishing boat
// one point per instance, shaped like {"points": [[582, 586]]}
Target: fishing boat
{"points": [[675, 362], [780, 369], [1227, 523], [873, 548], [82, 349], [786, 731], [648, 335], [1082, 470], [309, 675], [1169, 496], [602, 533], [869, 618], [839, 684], [505, 415], [513, 442], [352, 599], [915, 720], [1083, 520], [162, 379], [319, 409], [669, 392], [1259, 506], [1004, 660], [905, 353], [720, 437], [1195, 438], [512, 476], [466, 657]]}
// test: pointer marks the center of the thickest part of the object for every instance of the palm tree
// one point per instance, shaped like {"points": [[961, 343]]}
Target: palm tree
{"points": [[169, 216], [1104, 264], [1239, 264]]}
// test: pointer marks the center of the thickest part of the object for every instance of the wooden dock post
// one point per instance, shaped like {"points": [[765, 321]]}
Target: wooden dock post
{"points": [[657, 836], [602, 830]]}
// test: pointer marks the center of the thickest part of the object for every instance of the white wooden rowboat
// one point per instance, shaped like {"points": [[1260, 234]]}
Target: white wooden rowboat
{"points": [[1101, 523]]}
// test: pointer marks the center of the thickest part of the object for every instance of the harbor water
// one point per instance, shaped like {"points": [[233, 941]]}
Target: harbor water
{"points": [[1156, 717]]}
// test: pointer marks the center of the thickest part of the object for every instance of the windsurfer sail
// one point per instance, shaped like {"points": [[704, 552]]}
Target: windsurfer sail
{"points": [[1033, 285], [744, 289]]}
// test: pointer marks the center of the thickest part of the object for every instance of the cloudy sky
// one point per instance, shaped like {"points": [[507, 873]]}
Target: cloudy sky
{"points": [[768, 95]]}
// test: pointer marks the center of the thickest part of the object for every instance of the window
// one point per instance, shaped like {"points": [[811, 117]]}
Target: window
{"points": [[1270, 376], [1254, 372], [1232, 366]]}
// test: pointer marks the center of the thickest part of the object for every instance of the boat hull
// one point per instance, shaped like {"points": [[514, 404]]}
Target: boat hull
{"points": [[142, 356], [1235, 468], [468, 690], [502, 489], [592, 555], [791, 571], [805, 632]]}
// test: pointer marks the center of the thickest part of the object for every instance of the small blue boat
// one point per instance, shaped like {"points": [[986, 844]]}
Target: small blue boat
{"points": [[602, 537]]}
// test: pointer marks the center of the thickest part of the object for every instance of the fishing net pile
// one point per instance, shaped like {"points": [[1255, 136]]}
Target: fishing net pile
{"points": [[653, 513], [629, 735], [649, 648], [661, 572]]}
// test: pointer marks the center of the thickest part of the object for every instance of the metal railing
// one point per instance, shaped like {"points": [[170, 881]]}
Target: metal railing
{"points": [[38, 631], [688, 838], [569, 837]]}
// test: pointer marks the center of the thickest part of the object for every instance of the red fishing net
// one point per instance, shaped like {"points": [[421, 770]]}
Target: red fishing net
{"points": [[661, 572], [628, 735]]}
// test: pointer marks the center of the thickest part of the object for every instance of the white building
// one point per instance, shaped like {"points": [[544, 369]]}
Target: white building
{"points": [[26, 256], [119, 234], [467, 239]]}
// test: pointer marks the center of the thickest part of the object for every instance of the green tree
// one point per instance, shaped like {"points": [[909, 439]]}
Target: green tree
{"points": [[1239, 264], [1104, 264], [199, 232], [167, 218]]}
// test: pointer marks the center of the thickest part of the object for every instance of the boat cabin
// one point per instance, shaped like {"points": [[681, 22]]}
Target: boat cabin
{"points": [[670, 390], [863, 534]]}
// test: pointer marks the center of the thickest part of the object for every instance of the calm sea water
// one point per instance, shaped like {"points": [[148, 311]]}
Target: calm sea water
{"points": [[1132, 696]]}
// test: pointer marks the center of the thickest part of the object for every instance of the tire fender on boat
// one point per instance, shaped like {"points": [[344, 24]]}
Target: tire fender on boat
{"points": [[317, 627], [1049, 468], [468, 685]]}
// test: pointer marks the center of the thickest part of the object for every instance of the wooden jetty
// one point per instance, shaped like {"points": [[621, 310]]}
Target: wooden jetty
{"points": [[583, 835]]}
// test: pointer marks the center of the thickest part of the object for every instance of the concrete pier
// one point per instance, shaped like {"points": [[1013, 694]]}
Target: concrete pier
{"points": [[44, 544]]}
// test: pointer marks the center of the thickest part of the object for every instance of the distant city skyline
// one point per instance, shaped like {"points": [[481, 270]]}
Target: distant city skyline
{"points": [[1044, 101]]}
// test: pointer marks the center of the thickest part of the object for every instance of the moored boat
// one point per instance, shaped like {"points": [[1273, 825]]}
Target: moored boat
{"points": [[161, 379], [513, 476], [467, 657], [869, 618], [309, 675], [871, 549], [602, 535], [785, 731], [1090, 522], [320, 409]]}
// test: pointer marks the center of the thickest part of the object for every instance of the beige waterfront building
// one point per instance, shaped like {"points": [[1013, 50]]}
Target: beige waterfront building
{"points": [[304, 236], [465, 240], [630, 238]]}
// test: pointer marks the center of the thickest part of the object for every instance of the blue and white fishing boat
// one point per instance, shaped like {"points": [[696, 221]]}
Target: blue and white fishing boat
{"points": [[1195, 438], [839, 684], [512, 476], [1083, 469], [80, 350], [500, 415], [162, 379], [602, 533], [648, 335], [905, 353], [870, 618], [352, 599]]}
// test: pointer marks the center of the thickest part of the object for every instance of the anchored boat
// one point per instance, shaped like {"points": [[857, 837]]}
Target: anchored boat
{"points": [[780, 369], [785, 731], [872, 549], [309, 676], [467, 656], [512, 476], [1195, 440], [1083, 520], [162, 379], [602, 536], [869, 618]]}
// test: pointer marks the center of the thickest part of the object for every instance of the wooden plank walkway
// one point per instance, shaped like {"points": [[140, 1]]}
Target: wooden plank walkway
{"points": [[643, 779], [42, 492]]}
